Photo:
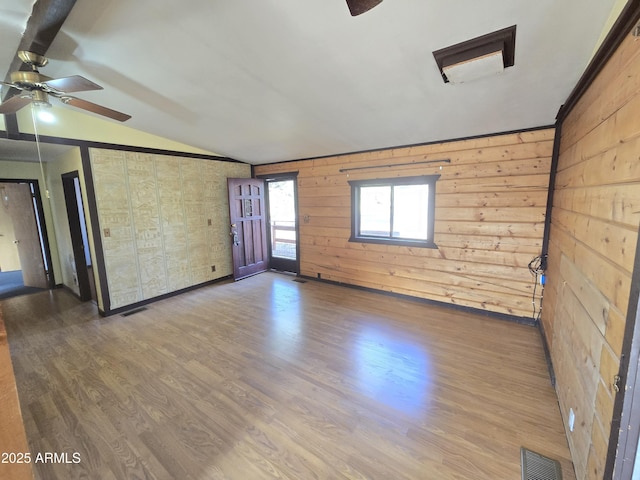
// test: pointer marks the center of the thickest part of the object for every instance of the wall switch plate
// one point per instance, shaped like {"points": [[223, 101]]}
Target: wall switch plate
{"points": [[107, 232], [209, 221], [213, 268]]}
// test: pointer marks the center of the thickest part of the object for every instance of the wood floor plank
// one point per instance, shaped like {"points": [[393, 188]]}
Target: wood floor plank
{"points": [[268, 378]]}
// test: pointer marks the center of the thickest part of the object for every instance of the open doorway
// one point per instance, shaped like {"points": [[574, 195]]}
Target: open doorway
{"points": [[79, 239], [283, 244], [24, 253]]}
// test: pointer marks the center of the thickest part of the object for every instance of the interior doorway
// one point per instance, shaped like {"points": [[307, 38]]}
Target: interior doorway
{"points": [[282, 211], [79, 239], [24, 253]]}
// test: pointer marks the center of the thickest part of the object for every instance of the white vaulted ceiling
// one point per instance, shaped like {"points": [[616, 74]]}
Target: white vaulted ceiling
{"points": [[273, 80]]}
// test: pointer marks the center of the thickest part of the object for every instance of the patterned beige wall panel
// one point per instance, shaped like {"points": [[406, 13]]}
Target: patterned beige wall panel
{"points": [[220, 256], [153, 273], [124, 287], [178, 276], [146, 220], [167, 220], [201, 274], [190, 168], [173, 223], [117, 229], [174, 236]]}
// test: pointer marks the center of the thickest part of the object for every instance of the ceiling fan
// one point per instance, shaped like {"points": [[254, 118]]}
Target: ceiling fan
{"points": [[356, 7], [35, 87]]}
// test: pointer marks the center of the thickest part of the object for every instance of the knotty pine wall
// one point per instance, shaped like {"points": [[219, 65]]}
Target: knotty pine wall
{"points": [[490, 213], [595, 218], [154, 213]]}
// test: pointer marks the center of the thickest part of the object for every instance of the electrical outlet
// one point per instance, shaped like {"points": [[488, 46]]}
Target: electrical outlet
{"points": [[209, 221], [572, 419], [213, 268], [107, 232]]}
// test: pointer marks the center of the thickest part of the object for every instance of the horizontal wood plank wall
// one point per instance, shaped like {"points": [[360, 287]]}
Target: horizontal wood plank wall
{"points": [[490, 213], [593, 235], [164, 221]]}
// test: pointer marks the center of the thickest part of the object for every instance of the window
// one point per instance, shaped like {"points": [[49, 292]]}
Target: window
{"points": [[397, 211]]}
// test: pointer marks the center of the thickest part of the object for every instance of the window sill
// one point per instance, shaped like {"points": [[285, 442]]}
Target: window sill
{"points": [[394, 241]]}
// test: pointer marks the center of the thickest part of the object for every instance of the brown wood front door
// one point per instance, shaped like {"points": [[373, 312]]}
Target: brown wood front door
{"points": [[19, 203], [248, 226]]}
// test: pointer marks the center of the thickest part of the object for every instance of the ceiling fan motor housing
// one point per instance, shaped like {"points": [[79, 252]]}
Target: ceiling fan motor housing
{"points": [[32, 82], [33, 59], [27, 80]]}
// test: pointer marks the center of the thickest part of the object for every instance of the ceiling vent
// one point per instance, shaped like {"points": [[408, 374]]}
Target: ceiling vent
{"points": [[479, 57]]}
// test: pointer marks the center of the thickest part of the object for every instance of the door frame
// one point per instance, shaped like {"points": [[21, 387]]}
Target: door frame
{"points": [[41, 223], [75, 230], [625, 424], [279, 263]]}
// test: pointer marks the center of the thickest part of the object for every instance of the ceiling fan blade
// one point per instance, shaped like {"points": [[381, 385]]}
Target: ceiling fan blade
{"points": [[356, 7], [95, 108], [12, 85], [14, 104], [75, 83]]}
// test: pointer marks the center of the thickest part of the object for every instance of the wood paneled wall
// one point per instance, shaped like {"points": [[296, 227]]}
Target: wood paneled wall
{"points": [[490, 213], [164, 221], [596, 213]]}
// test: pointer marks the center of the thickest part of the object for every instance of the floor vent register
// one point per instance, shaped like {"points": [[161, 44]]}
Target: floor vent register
{"points": [[539, 467]]}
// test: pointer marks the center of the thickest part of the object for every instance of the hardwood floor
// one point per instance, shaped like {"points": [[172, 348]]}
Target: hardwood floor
{"points": [[269, 378]]}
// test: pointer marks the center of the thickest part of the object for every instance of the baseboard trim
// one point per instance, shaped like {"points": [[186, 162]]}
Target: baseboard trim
{"points": [[67, 288], [461, 308], [132, 306]]}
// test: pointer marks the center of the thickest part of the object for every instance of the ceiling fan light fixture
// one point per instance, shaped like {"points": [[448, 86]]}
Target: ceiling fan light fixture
{"points": [[37, 88], [40, 98], [357, 7], [46, 117]]}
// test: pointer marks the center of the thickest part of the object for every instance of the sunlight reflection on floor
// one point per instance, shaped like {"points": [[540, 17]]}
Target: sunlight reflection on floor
{"points": [[392, 371], [286, 320]]}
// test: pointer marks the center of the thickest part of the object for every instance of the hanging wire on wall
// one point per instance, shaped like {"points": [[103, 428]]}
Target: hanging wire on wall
{"points": [[537, 271]]}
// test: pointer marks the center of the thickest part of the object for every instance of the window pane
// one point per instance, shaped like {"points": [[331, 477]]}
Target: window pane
{"points": [[375, 211], [411, 211], [282, 212]]}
